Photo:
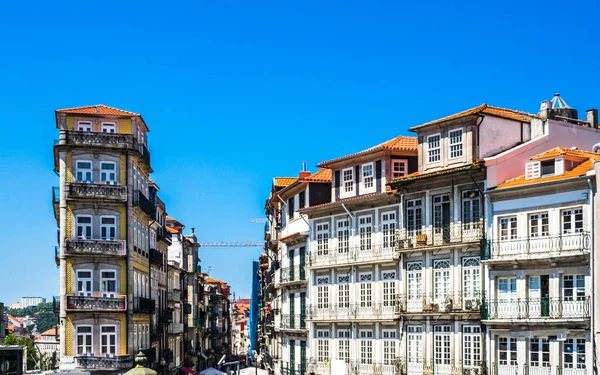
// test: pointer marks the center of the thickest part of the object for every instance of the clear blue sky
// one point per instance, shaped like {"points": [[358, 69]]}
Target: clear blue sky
{"points": [[236, 92]]}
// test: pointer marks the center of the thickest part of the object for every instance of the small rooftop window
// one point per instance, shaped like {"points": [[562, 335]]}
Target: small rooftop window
{"points": [[548, 167]]}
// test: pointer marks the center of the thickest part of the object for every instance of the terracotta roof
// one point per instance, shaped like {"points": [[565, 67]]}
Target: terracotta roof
{"points": [[569, 153], [284, 181], [211, 280], [243, 301], [172, 230], [51, 332], [400, 143], [510, 114], [579, 171], [99, 109], [322, 175], [340, 201], [438, 172]]}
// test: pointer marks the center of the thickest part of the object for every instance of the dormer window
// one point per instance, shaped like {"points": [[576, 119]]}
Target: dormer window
{"points": [[433, 148], [548, 168], [399, 168], [367, 176], [348, 180], [532, 170]]}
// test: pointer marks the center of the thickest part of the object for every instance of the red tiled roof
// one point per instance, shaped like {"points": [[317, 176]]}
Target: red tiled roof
{"points": [[51, 332], [339, 201], [243, 301], [284, 181], [322, 175], [400, 143], [579, 171], [99, 109], [510, 114], [211, 280], [172, 230], [438, 172]]}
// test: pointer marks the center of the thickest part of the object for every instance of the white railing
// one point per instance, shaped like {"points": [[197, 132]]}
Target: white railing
{"points": [[352, 254]]}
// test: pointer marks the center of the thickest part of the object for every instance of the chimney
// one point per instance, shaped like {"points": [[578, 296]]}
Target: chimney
{"points": [[303, 175], [591, 116]]}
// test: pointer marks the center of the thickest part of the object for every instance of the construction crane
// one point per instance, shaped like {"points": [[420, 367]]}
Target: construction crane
{"points": [[232, 244]]}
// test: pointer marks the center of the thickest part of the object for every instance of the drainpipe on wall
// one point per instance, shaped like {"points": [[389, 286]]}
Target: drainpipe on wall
{"points": [[592, 274]]}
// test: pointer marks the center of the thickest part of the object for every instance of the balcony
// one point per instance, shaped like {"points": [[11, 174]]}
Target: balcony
{"points": [[298, 368], [88, 139], [175, 328], [340, 255], [146, 154], [352, 311], [187, 308], [545, 247], [103, 191], [95, 247], [97, 301], [156, 257], [417, 366], [292, 275], [57, 255], [435, 304], [174, 296], [56, 304], [438, 236], [140, 200], [143, 305], [56, 201], [537, 308], [91, 362], [498, 369], [293, 322], [166, 317]]}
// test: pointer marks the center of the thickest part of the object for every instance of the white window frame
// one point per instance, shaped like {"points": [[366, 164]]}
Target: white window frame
{"points": [[471, 278], [536, 347], [455, 147], [508, 226], [347, 185], [471, 209], [85, 345], [108, 126], [575, 217], [108, 176], [108, 227], [533, 170], [82, 126], [400, 172], [322, 345], [365, 231], [322, 292], [104, 279], [388, 230], [366, 346], [472, 345], [343, 283], [414, 216], [389, 346], [510, 352], [84, 291], [344, 337], [434, 154], [575, 353], [343, 236], [414, 339], [84, 226], [577, 291], [536, 225], [508, 293], [441, 280], [322, 234], [367, 180], [115, 346], [388, 289], [366, 289], [84, 171], [442, 340]]}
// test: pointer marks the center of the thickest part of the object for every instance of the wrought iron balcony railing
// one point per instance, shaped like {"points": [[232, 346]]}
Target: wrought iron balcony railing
{"points": [[416, 366], [174, 296], [175, 328], [104, 362], [293, 322], [146, 154], [156, 257], [367, 252], [113, 140], [140, 200], [96, 301], [454, 233], [439, 303], [536, 247], [364, 310], [143, 305], [95, 247], [57, 255], [533, 308], [56, 304], [296, 368], [294, 274], [100, 191]]}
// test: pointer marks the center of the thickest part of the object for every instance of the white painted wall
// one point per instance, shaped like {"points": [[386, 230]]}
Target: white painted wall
{"points": [[498, 134]]}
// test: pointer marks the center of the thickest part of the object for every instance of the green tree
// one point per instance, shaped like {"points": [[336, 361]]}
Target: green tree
{"points": [[45, 321], [32, 353]]}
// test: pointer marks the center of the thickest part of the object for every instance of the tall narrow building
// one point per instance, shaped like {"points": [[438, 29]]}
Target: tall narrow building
{"points": [[105, 210]]}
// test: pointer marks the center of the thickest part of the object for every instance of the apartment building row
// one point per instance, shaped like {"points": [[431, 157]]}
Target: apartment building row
{"points": [[466, 249], [130, 278]]}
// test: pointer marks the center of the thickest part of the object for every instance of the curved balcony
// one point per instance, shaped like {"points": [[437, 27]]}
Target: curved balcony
{"points": [[97, 301], [105, 191], [95, 247]]}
